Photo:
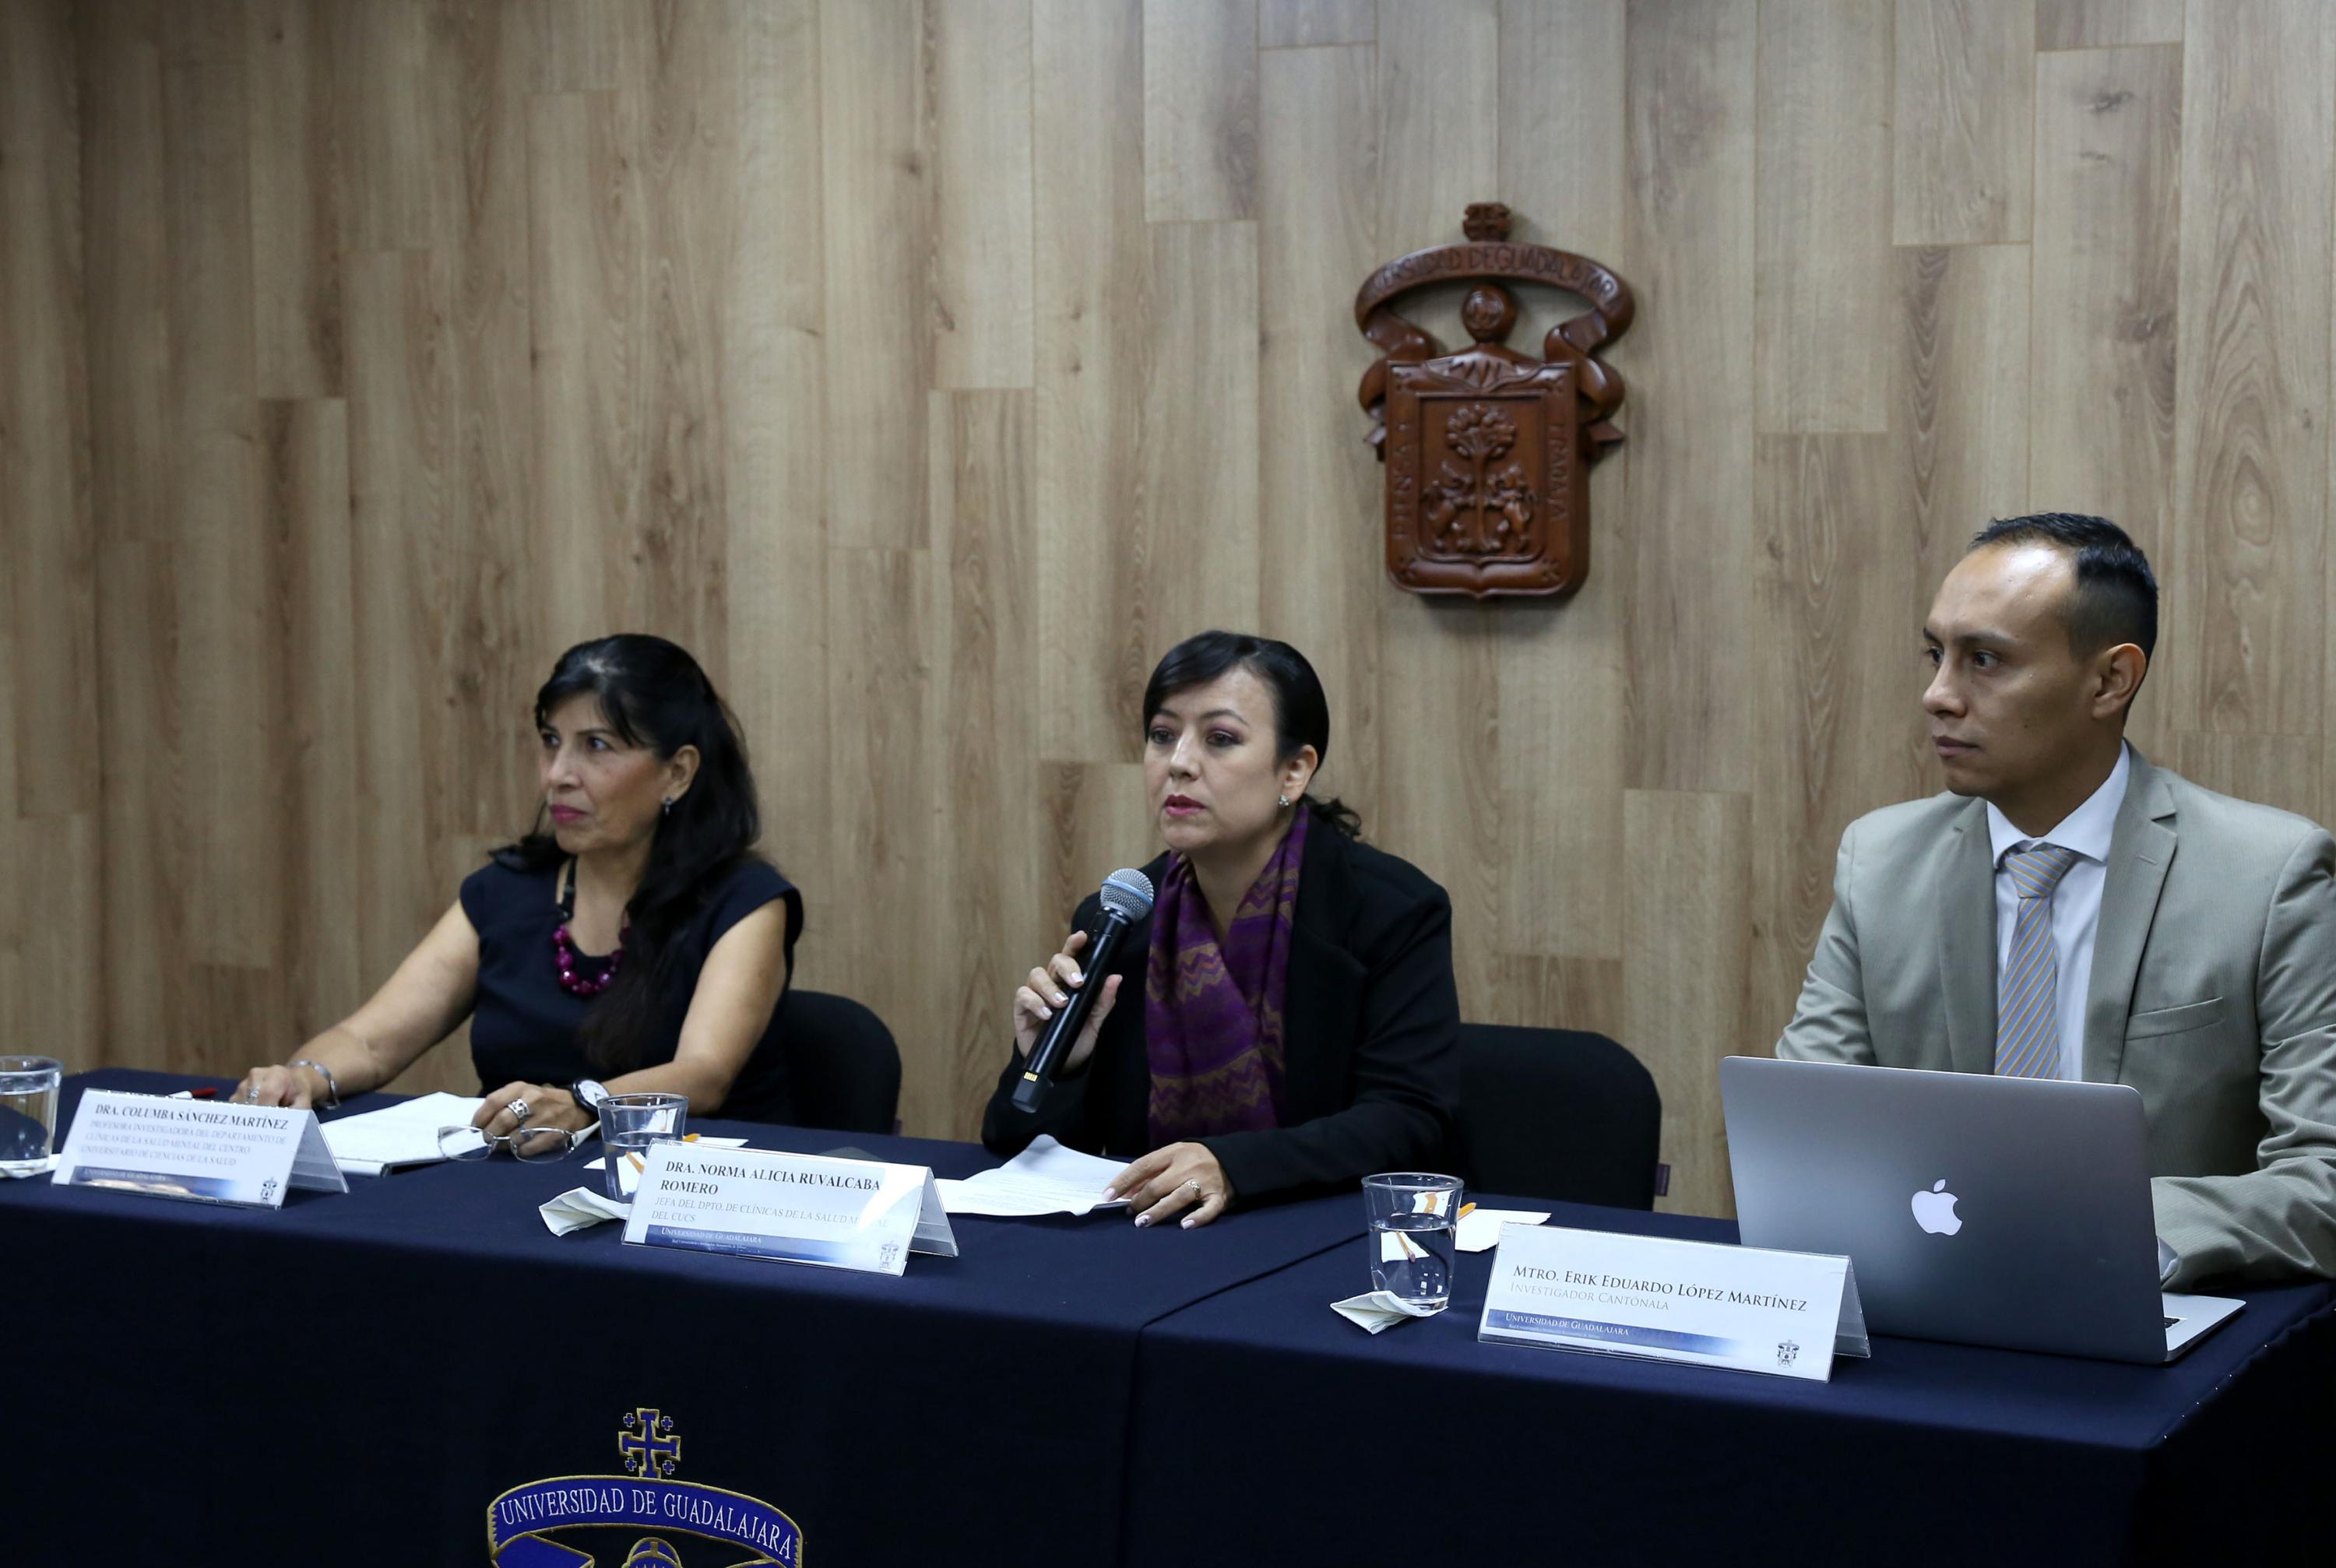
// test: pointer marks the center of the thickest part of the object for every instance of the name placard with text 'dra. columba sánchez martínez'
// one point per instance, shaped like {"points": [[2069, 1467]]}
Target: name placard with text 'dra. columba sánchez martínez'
{"points": [[211, 1153]]}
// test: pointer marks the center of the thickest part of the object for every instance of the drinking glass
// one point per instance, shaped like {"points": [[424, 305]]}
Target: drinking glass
{"points": [[1412, 1215], [629, 1124], [28, 1115]]}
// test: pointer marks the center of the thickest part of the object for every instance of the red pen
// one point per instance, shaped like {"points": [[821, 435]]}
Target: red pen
{"points": [[204, 1093]]}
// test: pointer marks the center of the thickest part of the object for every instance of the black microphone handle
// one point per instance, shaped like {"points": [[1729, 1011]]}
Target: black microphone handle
{"points": [[1062, 1031]]}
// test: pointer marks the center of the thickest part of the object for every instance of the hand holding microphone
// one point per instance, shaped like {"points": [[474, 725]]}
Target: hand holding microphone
{"points": [[1056, 1015]]}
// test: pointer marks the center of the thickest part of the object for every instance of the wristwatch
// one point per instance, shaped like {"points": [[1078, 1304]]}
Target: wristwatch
{"points": [[588, 1093]]}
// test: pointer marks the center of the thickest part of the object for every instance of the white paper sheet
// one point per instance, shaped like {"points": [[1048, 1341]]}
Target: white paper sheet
{"points": [[405, 1133], [1479, 1230], [1044, 1179], [1378, 1310]]}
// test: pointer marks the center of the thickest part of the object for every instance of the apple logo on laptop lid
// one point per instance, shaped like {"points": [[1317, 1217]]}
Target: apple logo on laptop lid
{"points": [[1934, 1211]]}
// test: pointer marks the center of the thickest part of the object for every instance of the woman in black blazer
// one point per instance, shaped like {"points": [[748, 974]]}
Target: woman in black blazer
{"points": [[1292, 1022]]}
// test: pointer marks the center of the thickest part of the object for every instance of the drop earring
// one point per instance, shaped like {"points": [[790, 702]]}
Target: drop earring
{"points": [[667, 807], [1285, 803]]}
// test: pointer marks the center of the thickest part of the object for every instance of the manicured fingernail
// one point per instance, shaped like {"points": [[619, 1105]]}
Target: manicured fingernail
{"points": [[1187, 1224], [1078, 975], [1044, 1011], [1142, 1221]]}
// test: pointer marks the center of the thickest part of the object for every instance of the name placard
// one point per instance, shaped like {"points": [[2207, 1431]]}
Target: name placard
{"points": [[790, 1208], [1708, 1305], [212, 1154]]}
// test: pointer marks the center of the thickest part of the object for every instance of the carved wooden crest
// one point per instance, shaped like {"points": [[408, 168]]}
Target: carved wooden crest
{"points": [[1488, 451]]}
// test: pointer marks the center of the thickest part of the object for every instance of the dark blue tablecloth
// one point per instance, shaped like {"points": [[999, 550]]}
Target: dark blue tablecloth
{"points": [[1422, 1443], [353, 1378]]}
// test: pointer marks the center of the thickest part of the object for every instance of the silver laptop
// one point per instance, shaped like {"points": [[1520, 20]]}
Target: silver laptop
{"points": [[1988, 1210]]}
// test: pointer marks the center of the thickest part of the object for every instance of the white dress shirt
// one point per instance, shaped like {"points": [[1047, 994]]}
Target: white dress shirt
{"points": [[2076, 902]]}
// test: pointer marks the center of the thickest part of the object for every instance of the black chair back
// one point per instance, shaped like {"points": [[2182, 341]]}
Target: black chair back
{"points": [[840, 1069], [1557, 1113]]}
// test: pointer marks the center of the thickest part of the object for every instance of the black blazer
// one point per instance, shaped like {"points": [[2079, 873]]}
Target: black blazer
{"points": [[1369, 1047]]}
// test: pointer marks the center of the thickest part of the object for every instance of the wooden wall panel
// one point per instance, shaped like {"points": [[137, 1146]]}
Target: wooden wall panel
{"points": [[1959, 402], [51, 779], [1821, 264], [1301, 23], [225, 668], [2105, 279], [1193, 541], [774, 674], [1840, 708], [875, 209], [1690, 248], [1319, 579], [1688, 979], [304, 504], [1439, 755], [930, 368], [1200, 109], [2251, 452], [983, 444], [1093, 256], [296, 202], [2107, 24], [1561, 674], [495, 642], [1965, 81], [980, 61]]}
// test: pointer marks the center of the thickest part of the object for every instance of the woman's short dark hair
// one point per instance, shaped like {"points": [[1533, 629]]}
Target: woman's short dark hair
{"points": [[1301, 714], [654, 696]]}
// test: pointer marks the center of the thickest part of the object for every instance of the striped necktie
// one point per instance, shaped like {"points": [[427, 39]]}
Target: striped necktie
{"points": [[2028, 993]]}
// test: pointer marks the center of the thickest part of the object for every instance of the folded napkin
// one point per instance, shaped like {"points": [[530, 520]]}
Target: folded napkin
{"points": [[581, 1206], [1378, 1311], [1479, 1230]]}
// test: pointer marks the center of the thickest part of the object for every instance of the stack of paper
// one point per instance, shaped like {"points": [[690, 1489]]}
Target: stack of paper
{"points": [[1479, 1230], [1044, 1179], [405, 1133]]}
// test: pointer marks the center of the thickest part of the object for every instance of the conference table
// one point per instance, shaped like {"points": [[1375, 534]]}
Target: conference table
{"points": [[360, 1378]]}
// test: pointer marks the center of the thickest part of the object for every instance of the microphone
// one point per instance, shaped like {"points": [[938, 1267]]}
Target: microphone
{"points": [[1126, 899]]}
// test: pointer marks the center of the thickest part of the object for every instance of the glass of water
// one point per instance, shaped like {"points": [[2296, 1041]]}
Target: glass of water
{"points": [[28, 1115], [1412, 1218], [629, 1124]]}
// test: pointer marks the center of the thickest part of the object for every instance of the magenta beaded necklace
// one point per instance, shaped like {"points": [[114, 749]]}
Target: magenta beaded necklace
{"points": [[563, 948]]}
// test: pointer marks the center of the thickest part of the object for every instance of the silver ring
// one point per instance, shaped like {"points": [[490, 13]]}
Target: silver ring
{"points": [[517, 1108], [1195, 1185]]}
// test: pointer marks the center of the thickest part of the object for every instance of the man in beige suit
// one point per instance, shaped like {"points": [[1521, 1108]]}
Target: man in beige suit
{"points": [[2069, 910]]}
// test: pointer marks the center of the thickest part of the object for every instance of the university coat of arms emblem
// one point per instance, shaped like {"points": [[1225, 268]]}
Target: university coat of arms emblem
{"points": [[1488, 451]]}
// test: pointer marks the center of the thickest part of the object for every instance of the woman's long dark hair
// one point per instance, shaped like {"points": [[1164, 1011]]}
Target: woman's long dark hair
{"points": [[654, 696], [1301, 714]]}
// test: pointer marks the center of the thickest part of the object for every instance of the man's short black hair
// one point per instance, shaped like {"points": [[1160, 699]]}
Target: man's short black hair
{"points": [[2116, 599]]}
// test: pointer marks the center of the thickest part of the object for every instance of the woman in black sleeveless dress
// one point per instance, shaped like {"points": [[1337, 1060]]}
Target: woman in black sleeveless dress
{"points": [[634, 941]]}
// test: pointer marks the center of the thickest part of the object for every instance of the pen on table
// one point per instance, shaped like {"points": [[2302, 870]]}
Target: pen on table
{"points": [[205, 1092], [642, 1165], [1465, 1210]]}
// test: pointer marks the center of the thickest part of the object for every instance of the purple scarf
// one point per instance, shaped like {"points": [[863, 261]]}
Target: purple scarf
{"points": [[1212, 1015]]}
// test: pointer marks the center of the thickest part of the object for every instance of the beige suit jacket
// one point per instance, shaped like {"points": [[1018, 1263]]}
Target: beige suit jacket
{"points": [[2213, 993]]}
